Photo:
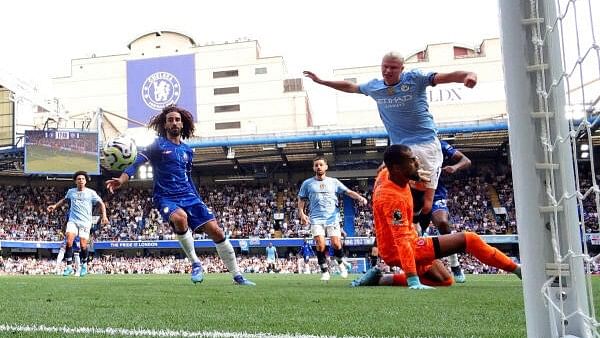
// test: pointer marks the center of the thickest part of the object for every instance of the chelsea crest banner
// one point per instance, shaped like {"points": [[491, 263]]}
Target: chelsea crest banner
{"points": [[155, 83]]}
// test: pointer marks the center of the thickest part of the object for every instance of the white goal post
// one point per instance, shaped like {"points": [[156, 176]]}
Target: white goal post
{"points": [[540, 73]]}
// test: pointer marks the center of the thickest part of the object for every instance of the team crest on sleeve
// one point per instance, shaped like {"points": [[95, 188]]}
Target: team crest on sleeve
{"points": [[397, 217], [160, 90]]}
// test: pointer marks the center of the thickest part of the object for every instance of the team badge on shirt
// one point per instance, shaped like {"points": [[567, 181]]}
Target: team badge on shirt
{"points": [[397, 217], [404, 88]]}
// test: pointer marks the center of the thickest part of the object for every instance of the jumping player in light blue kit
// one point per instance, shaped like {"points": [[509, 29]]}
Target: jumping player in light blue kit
{"points": [[402, 103], [82, 200], [175, 194], [321, 192]]}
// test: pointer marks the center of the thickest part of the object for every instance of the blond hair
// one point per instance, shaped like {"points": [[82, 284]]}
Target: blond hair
{"points": [[394, 55]]}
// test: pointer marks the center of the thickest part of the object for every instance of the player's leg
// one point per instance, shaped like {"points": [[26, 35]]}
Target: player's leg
{"points": [[318, 233], [434, 274], [77, 263], [374, 255], [306, 260], [440, 220], [430, 159], [417, 196], [84, 235], [335, 234], [178, 220], [60, 257], [71, 231], [225, 251], [471, 243]]}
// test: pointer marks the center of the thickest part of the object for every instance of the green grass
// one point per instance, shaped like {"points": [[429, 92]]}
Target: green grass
{"points": [[41, 160], [486, 306]]}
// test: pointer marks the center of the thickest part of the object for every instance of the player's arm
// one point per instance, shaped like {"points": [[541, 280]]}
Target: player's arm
{"points": [[344, 86], [403, 235], [356, 196], [469, 79], [55, 205], [116, 182], [461, 162], [103, 217], [301, 206]]}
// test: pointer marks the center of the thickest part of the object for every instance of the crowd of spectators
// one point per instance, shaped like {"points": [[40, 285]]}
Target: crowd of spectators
{"points": [[480, 200], [111, 265]]}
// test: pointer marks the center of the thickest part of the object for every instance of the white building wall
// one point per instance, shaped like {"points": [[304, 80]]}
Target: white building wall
{"points": [[264, 106]]}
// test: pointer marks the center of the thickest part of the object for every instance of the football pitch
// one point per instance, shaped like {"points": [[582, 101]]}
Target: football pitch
{"points": [[41, 160], [279, 306]]}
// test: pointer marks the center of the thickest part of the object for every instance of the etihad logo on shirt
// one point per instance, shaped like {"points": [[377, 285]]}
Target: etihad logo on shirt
{"points": [[397, 217]]}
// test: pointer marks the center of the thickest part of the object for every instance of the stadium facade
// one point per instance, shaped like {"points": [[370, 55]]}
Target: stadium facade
{"points": [[253, 119]]}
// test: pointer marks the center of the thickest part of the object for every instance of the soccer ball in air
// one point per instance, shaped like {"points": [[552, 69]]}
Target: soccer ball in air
{"points": [[119, 153]]}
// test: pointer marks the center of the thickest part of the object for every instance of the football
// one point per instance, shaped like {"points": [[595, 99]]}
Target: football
{"points": [[119, 153]]}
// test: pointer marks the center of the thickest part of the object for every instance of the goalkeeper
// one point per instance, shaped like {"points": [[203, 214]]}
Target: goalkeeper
{"points": [[398, 242]]}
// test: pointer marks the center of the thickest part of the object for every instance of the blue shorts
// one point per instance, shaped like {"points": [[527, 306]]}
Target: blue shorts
{"points": [[198, 213], [76, 247], [439, 205]]}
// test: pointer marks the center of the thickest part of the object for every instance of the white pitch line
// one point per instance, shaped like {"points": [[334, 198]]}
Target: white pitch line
{"points": [[148, 332]]}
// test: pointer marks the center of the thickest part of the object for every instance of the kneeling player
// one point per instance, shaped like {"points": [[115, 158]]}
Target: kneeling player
{"points": [[397, 240]]}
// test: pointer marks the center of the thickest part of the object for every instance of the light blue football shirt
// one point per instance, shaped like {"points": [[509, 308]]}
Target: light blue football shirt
{"points": [[322, 197], [82, 203], [403, 108], [271, 253]]}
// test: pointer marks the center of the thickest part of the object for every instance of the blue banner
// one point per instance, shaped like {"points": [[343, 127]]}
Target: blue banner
{"points": [[155, 83], [349, 214], [594, 238]]}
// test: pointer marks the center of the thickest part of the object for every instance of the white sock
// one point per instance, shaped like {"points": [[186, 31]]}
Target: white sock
{"points": [[225, 251], [187, 245], [60, 257], [453, 259], [76, 260]]}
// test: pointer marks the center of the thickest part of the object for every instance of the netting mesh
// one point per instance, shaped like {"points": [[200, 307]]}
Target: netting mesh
{"points": [[571, 25]]}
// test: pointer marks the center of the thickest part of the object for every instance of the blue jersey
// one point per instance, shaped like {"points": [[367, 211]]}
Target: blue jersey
{"points": [[82, 202], [322, 196], [306, 250], [271, 253], [441, 193], [76, 241], [172, 168], [403, 108]]}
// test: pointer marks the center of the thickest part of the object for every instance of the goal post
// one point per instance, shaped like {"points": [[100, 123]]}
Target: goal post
{"points": [[556, 295]]}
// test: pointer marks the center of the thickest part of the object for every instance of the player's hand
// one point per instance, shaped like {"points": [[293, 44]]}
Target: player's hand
{"points": [[424, 175], [51, 208], [304, 219], [311, 76], [113, 184], [363, 201], [104, 220], [470, 80], [415, 284], [449, 169]]}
